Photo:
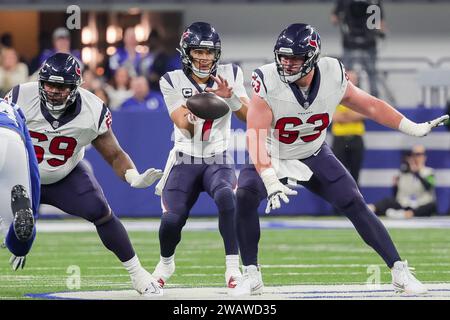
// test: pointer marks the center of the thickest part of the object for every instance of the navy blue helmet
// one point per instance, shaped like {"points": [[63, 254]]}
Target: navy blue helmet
{"points": [[199, 35], [63, 72], [300, 40]]}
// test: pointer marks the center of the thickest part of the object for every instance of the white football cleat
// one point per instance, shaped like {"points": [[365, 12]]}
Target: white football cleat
{"points": [[232, 277], [145, 284], [404, 281], [250, 283], [163, 272]]}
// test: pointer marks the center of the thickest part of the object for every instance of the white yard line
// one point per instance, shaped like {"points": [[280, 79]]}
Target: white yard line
{"points": [[315, 292], [195, 225]]}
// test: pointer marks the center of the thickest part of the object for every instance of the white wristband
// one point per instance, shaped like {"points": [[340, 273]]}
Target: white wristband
{"points": [[233, 102], [412, 128], [269, 176]]}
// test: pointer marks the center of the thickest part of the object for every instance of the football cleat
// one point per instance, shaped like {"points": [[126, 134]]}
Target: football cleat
{"points": [[23, 223], [144, 283], [250, 283], [163, 272], [17, 262], [404, 281], [232, 276]]}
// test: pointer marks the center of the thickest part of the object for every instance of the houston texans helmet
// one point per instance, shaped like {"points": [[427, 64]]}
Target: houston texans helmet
{"points": [[300, 40], [199, 35], [64, 71]]}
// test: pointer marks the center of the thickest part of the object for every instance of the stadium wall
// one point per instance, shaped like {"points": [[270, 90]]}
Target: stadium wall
{"points": [[146, 137]]}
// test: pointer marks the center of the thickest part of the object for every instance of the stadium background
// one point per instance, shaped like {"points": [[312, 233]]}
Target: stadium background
{"points": [[414, 69]]}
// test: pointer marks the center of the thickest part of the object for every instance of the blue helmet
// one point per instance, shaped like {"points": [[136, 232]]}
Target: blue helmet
{"points": [[301, 40], [64, 71], [199, 35]]}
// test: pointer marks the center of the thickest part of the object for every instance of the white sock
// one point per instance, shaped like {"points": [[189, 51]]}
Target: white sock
{"points": [[133, 265], [232, 261], [167, 260]]}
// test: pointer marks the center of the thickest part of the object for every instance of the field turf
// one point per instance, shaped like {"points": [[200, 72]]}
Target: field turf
{"points": [[287, 256]]}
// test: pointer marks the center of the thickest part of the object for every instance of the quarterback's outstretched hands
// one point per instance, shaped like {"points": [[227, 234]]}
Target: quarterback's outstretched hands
{"points": [[275, 190], [421, 129], [17, 262], [143, 180], [223, 90]]}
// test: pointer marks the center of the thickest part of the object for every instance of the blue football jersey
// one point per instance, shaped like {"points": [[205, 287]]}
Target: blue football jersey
{"points": [[12, 117]]}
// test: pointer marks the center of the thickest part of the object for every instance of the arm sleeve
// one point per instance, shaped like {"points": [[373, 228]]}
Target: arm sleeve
{"points": [[12, 96], [342, 79], [105, 121], [258, 85], [239, 88], [172, 97]]}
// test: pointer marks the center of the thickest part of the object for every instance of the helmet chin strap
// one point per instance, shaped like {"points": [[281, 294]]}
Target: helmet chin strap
{"points": [[199, 73], [293, 78], [57, 109]]}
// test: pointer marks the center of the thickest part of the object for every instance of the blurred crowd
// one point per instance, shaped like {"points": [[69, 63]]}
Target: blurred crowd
{"points": [[129, 80]]}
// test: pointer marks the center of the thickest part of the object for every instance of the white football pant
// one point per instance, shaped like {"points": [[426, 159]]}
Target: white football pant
{"points": [[14, 170]]}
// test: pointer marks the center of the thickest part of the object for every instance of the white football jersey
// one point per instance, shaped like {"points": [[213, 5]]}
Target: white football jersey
{"points": [[211, 136], [310, 115], [59, 143]]}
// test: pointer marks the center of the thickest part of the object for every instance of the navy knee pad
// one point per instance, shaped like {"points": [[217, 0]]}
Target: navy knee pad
{"points": [[225, 199], [248, 198], [173, 220], [104, 219]]}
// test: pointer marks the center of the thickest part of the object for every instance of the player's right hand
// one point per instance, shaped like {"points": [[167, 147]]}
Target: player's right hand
{"points": [[17, 262], [143, 180], [192, 119], [275, 190]]}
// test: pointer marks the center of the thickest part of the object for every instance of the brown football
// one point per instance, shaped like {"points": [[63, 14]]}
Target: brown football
{"points": [[207, 106]]}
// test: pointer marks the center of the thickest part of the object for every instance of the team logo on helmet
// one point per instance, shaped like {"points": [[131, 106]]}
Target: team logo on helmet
{"points": [[313, 42], [185, 34]]}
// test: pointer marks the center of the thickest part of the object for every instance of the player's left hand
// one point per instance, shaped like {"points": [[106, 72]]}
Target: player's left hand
{"points": [[17, 262], [143, 180], [438, 121], [222, 90], [421, 129]]}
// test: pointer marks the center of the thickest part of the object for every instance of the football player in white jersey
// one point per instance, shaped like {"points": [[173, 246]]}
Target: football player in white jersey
{"points": [[293, 103], [19, 184], [199, 161], [63, 119]]}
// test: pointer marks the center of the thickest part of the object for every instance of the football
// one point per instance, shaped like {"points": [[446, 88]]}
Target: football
{"points": [[207, 106]]}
